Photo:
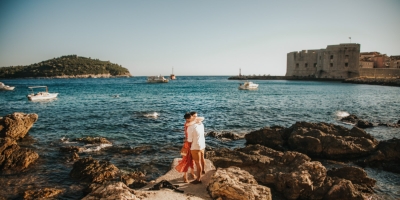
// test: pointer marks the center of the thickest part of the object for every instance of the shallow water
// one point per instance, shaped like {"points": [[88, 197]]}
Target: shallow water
{"points": [[133, 114]]}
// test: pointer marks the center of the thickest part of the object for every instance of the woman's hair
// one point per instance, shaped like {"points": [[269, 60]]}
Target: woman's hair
{"points": [[187, 116], [193, 113]]}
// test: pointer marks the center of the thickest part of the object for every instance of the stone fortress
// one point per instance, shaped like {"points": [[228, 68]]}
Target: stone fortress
{"points": [[341, 61]]}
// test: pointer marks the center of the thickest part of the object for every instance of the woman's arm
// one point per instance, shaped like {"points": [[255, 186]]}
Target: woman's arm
{"points": [[197, 120]]}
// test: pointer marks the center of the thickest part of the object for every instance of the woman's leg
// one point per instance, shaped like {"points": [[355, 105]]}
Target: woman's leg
{"points": [[185, 179], [192, 172]]}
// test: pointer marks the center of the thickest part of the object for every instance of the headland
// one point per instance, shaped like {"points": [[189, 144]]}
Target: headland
{"points": [[70, 66]]}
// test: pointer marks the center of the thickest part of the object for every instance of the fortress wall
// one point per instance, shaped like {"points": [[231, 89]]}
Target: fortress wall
{"points": [[303, 63], [336, 61], [380, 73]]}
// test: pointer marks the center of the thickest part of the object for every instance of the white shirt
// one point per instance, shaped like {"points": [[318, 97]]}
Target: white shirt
{"points": [[196, 136]]}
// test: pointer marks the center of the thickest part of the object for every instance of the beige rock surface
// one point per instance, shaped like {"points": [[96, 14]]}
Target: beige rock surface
{"points": [[235, 184], [17, 125], [191, 191]]}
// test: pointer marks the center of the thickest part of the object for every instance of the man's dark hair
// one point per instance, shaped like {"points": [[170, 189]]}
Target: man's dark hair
{"points": [[193, 112], [187, 116]]}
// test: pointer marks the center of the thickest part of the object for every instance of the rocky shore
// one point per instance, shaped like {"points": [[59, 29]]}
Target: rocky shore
{"points": [[277, 163], [374, 81], [357, 80], [267, 77]]}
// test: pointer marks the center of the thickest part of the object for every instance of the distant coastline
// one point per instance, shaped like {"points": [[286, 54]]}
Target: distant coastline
{"points": [[81, 76]]}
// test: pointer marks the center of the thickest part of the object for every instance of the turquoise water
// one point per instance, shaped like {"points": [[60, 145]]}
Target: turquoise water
{"points": [[134, 114]]}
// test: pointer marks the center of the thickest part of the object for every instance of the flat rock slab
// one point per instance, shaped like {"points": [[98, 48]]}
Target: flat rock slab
{"points": [[191, 191]]}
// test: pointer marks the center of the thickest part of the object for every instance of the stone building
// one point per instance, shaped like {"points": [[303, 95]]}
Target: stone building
{"points": [[395, 62], [335, 62], [379, 60]]}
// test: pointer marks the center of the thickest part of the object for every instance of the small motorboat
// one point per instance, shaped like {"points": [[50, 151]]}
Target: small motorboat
{"points": [[5, 87], [157, 79], [44, 95], [248, 86]]}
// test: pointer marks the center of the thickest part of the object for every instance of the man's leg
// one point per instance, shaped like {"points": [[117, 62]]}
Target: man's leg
{"points": [[196, 156], [203, 163]]}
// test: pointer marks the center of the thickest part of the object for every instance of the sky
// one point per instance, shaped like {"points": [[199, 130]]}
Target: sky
{"points": [[192, 37]]}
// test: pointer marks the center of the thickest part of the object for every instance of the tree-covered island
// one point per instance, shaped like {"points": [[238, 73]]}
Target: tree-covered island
{"points": [[70, 66]]}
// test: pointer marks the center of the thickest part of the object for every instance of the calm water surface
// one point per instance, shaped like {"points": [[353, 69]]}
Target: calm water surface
{"points": [[133, 114]]}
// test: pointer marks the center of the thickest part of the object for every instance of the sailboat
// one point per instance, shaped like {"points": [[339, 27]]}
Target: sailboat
{"points": [[172, 76]]}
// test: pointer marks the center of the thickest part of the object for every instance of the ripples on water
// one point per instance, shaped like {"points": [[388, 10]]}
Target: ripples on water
{"points": [[133, 114]]}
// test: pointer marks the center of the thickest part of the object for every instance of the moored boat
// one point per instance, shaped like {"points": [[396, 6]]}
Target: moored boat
{"points": [[5, 87], [43, 95], [172, 76], [248, 86], [157, 79]]}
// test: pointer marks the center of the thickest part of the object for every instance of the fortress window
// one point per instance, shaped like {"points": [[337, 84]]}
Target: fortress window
{"points": [[331, 64], [297, 65], [315, 64], [346, 64], [306, 65], [331, 56], [347, 57]]}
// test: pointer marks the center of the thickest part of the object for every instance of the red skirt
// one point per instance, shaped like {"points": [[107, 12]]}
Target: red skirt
{"points": [[186, 162]]}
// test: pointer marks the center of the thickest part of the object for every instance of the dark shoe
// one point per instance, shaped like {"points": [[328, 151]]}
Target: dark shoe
{"points": [[204, 172], [195, 182]]}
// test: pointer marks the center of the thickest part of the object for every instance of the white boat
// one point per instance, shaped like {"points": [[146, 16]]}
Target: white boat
{"points": [[157, 79], [248, 86], [44, 95], [5, 87]]}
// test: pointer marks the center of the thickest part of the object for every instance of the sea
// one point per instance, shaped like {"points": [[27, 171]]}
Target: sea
{"points": [[146, 120]]}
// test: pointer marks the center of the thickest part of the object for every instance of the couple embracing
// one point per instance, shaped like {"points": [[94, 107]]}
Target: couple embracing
{"points": [[193, 148]]}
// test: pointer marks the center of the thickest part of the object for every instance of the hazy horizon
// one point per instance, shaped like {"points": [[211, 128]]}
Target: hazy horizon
{"points": [[196, 38]]}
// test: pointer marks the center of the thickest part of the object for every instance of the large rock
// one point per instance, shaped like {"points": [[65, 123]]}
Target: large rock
{"points": [[273, 137], [224, 135], [12, 157], [350, 119], [356, 175], [134, 179], [342, 189], [110, 191], [353, 119], [42, 193], [386, 156], [235, 184], [91, 170], [291, 173], [364, 124], [316, 140], [16, 125]]}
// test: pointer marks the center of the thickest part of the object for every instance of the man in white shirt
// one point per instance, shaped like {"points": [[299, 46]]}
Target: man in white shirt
{"points": [[198, 144]]}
